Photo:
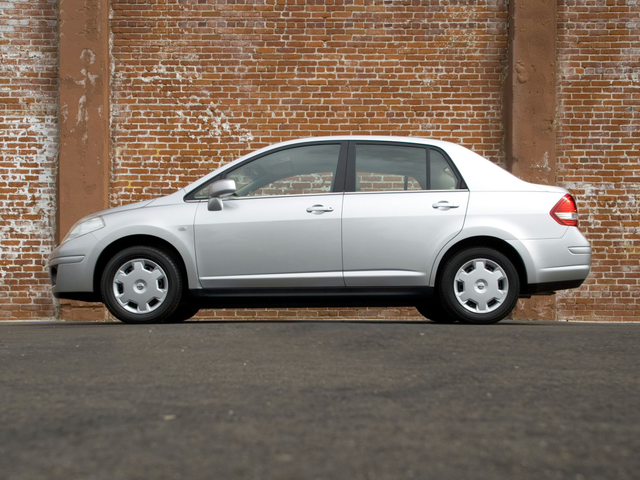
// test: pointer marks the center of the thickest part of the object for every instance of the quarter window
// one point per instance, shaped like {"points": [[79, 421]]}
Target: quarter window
{"points": [[442, 177]]}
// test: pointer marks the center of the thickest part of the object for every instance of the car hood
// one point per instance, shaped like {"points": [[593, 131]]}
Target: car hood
{"points": [[122, 208], [166, 200]]}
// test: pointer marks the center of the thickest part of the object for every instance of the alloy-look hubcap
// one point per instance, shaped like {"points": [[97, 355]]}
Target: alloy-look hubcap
{"points": [[140, 286], [481, 285]]}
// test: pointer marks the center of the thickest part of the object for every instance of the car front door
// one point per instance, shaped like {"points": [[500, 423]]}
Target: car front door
{"points": [[406, 202], [282, 227]]}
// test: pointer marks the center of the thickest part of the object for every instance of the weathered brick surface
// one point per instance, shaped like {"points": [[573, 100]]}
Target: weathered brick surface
{"points": [[28, 154], [597, 152], [197, 84]]}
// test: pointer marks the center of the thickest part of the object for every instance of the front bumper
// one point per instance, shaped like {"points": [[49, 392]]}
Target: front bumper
{"points": [[72, 266]]}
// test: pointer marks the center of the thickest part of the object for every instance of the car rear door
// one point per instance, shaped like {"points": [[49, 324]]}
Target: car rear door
{"points": [[406, 202]]}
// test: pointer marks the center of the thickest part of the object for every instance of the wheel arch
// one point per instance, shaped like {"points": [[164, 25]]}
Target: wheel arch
{"points": [[133, 241], [488, 242]]}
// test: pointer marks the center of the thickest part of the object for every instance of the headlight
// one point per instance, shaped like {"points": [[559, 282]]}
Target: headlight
{"points": [[84, 227]]}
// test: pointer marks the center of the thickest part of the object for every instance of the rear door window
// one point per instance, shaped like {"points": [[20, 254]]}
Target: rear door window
{"points": [[390, 168]]}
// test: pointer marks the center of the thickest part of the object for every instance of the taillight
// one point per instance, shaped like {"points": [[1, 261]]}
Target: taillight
{"points": [[565, 211]]}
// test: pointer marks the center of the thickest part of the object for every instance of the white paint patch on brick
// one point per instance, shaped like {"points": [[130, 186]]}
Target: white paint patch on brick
{"points": [[27, 214], [28, 156], [214, 123]]}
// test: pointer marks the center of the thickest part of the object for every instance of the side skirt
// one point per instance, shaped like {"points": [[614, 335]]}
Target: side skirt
{"points": [[310, 297]]}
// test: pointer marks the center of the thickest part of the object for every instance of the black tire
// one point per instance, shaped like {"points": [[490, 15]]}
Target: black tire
{"points": [[135, 299], [479, 286], [183, 313], [433, 311]]}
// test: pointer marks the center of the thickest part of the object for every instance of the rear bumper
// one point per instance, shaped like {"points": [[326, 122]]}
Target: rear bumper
{"points": [[549, 288], [560, 262]]}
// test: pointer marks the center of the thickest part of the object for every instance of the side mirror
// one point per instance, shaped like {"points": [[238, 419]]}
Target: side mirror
{"points": [[219, 189]]}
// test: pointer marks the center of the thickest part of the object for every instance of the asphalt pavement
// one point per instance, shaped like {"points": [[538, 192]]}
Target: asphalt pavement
{"points": [[319, 400]]}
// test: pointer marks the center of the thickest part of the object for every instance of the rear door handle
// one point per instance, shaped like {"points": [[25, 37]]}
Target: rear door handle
{"points": [[318, 209], [444, 205]]}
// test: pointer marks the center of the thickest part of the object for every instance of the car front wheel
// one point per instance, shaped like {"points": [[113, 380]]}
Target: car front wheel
{"points": [[479, 286], [141, 285], [183, 313]]}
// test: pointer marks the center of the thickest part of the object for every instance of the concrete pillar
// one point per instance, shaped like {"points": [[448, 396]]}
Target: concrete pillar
{"points": [[530, 108], [83, 165]]}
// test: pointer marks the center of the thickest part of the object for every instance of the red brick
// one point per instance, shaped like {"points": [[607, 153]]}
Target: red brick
{"points": [[28, 142], [589, 144], [197, 84]]}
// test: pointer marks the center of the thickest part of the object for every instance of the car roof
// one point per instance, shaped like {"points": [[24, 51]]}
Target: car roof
{"points": [[369, 138]]}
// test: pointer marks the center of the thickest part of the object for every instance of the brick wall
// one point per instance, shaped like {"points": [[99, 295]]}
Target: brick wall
{"points": [[28, 154], [597, 152], [198, 84]]}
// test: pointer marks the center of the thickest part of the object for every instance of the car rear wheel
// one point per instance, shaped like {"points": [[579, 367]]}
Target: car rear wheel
{"points": [[433, 311], [141, 285], [479, 286]]}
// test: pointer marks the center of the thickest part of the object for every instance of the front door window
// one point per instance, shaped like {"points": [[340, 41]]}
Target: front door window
{"points": [[295, 171]]}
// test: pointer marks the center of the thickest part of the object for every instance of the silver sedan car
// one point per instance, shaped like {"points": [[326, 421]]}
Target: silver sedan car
{"points": [[332, 221]]}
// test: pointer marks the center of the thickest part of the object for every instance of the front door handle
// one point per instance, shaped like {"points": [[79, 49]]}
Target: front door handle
{"points": [[444, 205], [318, 209]]}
